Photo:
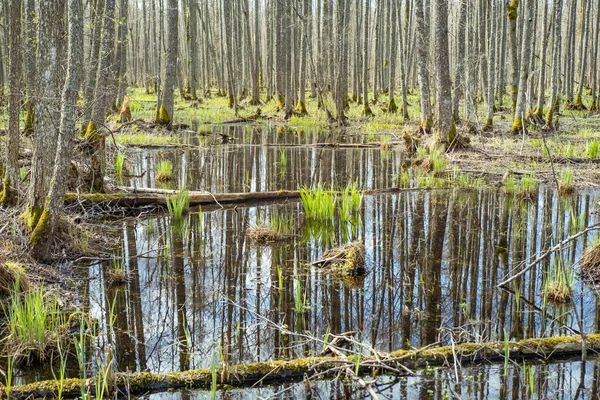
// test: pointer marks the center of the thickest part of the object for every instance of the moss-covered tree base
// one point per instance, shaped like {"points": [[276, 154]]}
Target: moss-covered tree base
{"points": [[41, 238], [31, 217], [366, 111], [280, 102], [301, 108], [517, 126], [163, 118], [392, 107], [9, 195]]}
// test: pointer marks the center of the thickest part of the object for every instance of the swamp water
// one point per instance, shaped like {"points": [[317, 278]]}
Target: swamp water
{"points": [[434, 259]]}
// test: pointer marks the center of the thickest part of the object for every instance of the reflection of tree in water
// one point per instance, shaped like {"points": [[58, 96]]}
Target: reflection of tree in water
{"points": [[434, 261]]}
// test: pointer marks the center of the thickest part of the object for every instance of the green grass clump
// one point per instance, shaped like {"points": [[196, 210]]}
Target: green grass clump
{"points": [[565, 183], [144, 139], [509, 184], [319, 203], [164, 171], [529, 185], [591, 149], [178, 204], [34, 323], [403, 180], [351, 202]]}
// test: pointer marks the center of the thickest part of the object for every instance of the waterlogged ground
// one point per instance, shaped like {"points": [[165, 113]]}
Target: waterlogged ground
{"points": [[199, 287]]}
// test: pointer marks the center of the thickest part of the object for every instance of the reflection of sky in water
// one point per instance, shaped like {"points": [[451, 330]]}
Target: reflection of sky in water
{"points": [[398, 230], [251, 167]]}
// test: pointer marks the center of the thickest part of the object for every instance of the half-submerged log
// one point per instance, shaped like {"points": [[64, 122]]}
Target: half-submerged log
{"points": [[139, 197], [264, 373]]}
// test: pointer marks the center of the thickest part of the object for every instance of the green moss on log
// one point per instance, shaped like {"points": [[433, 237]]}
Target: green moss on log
{"points": [[244, 375]]}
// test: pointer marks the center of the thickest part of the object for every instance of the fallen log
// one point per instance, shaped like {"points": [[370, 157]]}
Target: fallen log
{"points": [[269, 372], [139, 197]]}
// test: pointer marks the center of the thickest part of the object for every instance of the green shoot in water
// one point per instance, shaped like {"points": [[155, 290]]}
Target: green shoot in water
{"points": [[298, 297], [119, 163], [178, 204], [319, 203]]}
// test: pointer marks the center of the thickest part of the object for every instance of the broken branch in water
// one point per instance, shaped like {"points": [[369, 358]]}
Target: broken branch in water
{"points": [[548, 252]]}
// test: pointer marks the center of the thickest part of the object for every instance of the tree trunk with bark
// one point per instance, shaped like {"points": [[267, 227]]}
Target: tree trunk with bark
{"points": [[43, 234], [167, 107], [10, 190], [445, 130]]}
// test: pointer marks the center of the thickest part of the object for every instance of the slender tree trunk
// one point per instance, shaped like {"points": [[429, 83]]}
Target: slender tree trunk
{"points": [[539, 109], [519, 118], [422, 54], [102, 99], [10, 191], [43, 235], [594, 105], [459, 80], [93, 62], [122, 40], [393, 45], [512, 9], [583, 53], [491, 36], [46, 107], [445, 130], [556, 61], [29, 45], [366, 111], [167, 107]]}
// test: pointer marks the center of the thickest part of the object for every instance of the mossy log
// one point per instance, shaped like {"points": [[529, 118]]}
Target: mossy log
{"points": [[139, 197], [263, 373]]}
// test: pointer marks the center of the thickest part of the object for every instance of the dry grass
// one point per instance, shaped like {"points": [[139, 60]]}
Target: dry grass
{"points": [[345, 261], [589, 264], [117, 276], [10, 273], [264, 234], [566, 188], [558, 293]]}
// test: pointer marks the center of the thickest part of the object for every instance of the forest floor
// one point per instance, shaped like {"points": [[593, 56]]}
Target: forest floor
{"points": [[569, 153]]}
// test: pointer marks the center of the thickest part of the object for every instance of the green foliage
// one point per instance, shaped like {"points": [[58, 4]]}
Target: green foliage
{"points": [[164, 171], [120, 160], [529, 184], [33, 320], [178, 204], [351, 202], [319, 203], [438, 159], [591, 149]]}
